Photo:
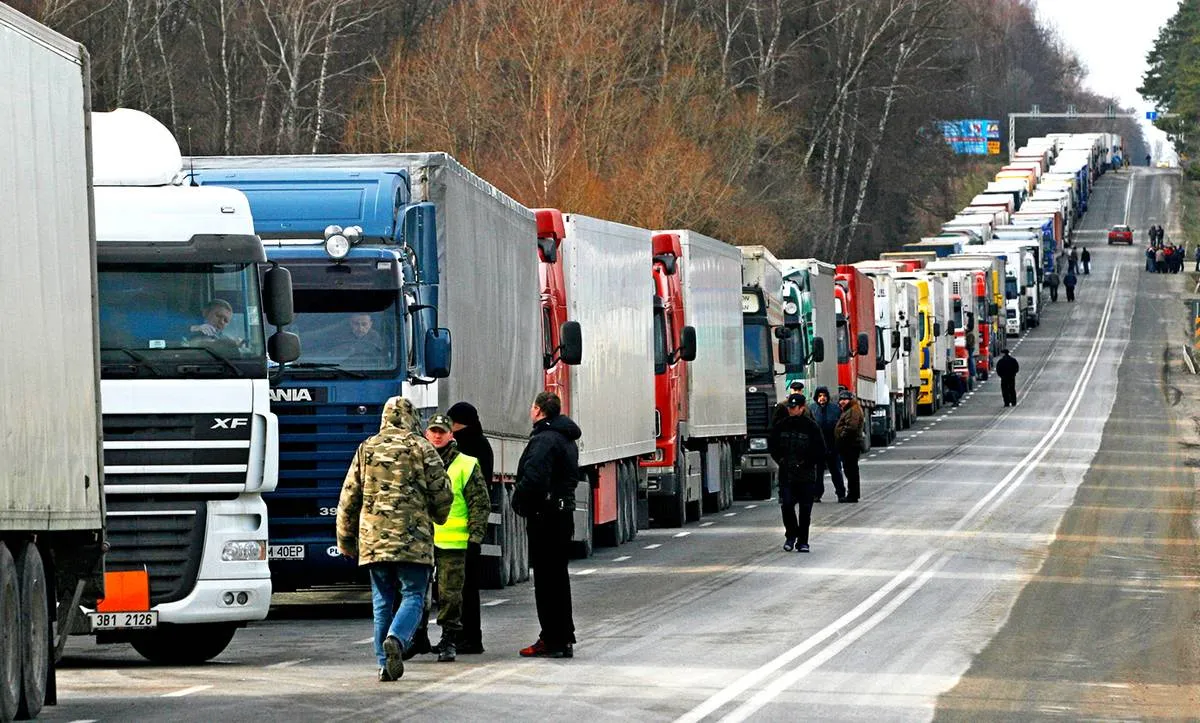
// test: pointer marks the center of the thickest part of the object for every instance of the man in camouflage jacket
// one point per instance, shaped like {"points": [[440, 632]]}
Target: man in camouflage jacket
{"points": [[394, 492]]}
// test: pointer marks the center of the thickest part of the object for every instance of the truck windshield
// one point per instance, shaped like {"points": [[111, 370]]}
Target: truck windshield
{"points": [[757, 342], [352, 330], [843, 341], [1011, 289], [180, 320]]}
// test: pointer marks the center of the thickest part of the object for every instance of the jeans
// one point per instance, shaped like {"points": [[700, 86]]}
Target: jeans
{"points": [[398, 600], [834, 464], [795, 498], [549, 550]]}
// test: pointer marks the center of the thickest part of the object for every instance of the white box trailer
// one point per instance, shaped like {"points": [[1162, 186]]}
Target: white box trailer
{"points": [[896, 323], [1029, 280], [51, 489]]}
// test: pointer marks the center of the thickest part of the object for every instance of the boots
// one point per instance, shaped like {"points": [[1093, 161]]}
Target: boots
{"points": [[446, 649]]}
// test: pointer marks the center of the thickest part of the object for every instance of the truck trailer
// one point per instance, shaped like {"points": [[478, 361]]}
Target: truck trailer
{"points": [[763, 328]]}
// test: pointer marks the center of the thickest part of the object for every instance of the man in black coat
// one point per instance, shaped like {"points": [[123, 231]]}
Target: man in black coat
{"points": [[796, 444], [1007, 369], [468, 433], [545, 496], [826, 413]]}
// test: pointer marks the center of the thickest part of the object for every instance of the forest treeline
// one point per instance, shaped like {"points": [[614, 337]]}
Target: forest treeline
{"points": [[1172, 81], [805, 125]]}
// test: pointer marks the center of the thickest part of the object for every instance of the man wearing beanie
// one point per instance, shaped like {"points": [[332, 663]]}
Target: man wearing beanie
{"points": [[468, 433]]}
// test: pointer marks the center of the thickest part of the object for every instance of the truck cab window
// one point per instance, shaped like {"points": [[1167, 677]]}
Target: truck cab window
{"points": [[660, 342], [843, 341]]}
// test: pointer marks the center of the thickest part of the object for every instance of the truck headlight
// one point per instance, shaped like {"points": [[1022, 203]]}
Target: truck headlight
{"points": [[758, 444], [244, 550], [337, 246]]}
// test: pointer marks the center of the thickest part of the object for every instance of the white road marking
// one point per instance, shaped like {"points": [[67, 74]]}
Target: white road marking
{"points": [[622, 558], [186, 691], [364, 641], [655, 546], [731, 514], [588, 571], [288, 663], [1128, 198], [84, 720], [682, 534], [493, 603], [750, 507], [706, 524]]}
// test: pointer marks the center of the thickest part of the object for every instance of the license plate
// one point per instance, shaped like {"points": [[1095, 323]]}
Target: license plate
{"points": [[285, 552], [124, 621]]}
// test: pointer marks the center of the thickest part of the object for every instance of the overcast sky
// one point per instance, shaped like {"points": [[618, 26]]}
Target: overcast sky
{"points": [[1112, 38]]}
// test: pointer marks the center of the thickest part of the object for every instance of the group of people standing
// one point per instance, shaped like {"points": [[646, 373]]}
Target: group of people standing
{"points": [[1163, 257], [807, 439], [415, 501]]}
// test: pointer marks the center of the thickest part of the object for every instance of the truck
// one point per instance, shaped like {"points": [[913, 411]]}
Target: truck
{"points": [[858, 357], [977, 292], [597, 346], [940, 246], [808, 284], [898, 383], [1014, 280], [190, 442], [763, 330], [371, 237], [700, 400], [51, 481]]}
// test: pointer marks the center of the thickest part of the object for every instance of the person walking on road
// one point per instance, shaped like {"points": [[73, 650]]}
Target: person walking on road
{"points": [[1069, 284], [545, 496], [1085, 258], [468, 434], [394, 492], [1007, 369], [1052, 282], [797, 446], [848, 436], [825, 413], [1073, 262], [1198, 257], [466, 525]]}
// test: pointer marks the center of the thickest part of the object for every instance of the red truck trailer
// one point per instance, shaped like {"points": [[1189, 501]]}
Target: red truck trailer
{"points": [[854, 302]]}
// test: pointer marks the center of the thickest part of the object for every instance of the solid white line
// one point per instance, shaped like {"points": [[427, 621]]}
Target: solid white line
{"points": [[493, 603], [682, 534], [622, 558], [1128, 198], [186, 691], [756, 676], [655, 546], [784, 682], [288, 663]]}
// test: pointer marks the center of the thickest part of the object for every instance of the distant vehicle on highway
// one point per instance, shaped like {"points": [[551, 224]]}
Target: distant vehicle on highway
{"points": [[1120, 234], [1164, 164]]}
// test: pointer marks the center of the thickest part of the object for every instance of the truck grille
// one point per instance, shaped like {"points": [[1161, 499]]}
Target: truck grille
{"points": [[758, 412], [316, 443], [166, 536]]}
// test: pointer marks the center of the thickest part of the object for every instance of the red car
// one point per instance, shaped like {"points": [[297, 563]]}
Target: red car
{"points": [[1120, 234]]}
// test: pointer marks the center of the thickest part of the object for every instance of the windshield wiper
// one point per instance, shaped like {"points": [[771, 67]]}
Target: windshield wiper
{"points": [[141, 360], [326, 366], [218, 357]]}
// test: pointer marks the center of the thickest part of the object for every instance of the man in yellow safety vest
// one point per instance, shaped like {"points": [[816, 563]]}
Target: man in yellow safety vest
{"points": [[466, 524]]}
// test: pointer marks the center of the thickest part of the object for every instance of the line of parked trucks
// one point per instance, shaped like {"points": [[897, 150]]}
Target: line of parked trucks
{"points": [[172, 466]]}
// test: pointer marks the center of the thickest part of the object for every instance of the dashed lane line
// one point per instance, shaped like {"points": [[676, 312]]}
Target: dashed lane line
{"points": [[186, 691], [622, 558], [731, 514], [588, 571], [655, 546], [493, 603], [706, 524], [682, 534], [288, 663]]}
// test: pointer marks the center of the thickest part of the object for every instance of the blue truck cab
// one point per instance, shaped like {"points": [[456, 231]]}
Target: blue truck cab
{"points": [[363, 261]]}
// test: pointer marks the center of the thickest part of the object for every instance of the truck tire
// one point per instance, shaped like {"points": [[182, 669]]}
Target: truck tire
{"points": [[634, 478], [10, 632], [726, 475], [184, 644], [507, 539], [35, 631]]}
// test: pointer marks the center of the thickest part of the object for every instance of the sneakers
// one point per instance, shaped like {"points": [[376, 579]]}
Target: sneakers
{"points": [[393, 665], [789, 545], [802, 548], [541, 650]]}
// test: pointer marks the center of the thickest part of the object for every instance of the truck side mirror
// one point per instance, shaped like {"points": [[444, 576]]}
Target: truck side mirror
{"points": [[908, 344], [864, 344], [785, 352], [570, 343], [283, 347], [937, 328], [687, 343], [277, 293], [818, 350], [437, 353], [548, 250], [895, 339], [993, 309], [950, 327]]}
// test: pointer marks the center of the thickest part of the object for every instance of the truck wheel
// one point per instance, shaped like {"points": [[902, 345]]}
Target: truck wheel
{"points": [[507, 538], [184, 644], [35, 631], [635, 516], [10, 632], [726, 475]]}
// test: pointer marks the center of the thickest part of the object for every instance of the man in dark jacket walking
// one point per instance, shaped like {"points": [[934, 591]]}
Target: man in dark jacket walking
{"points": [[826, 412], [468, 433], [796, 445], [1069, 284], [1052, 282], [545, 496], [1007, 369], [1085, 260]]}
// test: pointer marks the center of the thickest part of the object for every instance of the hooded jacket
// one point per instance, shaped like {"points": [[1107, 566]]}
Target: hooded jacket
{"points": [[796, 444], [549, 468], [826, 416], [848, 434], [395, 490], [471, 440]]}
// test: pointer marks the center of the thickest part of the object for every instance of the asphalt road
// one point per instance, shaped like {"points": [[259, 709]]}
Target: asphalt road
{"points": [[1004, 564]]}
